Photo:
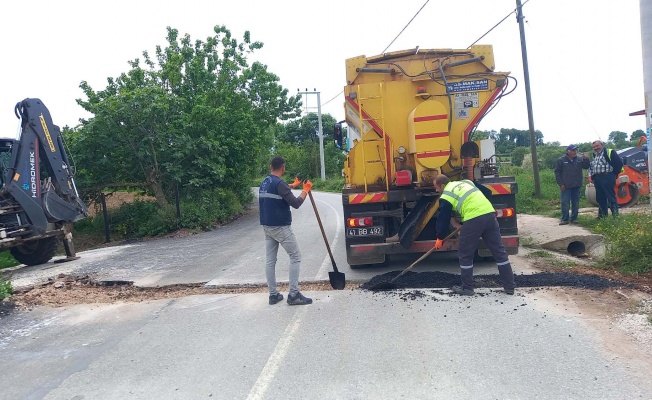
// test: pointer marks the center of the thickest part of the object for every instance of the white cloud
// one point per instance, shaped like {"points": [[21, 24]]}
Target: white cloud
{"points": [[584, 58]]}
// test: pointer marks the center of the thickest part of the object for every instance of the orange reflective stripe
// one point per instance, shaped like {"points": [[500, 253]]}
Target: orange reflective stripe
{"points": [[368, 198], [500, 188]]}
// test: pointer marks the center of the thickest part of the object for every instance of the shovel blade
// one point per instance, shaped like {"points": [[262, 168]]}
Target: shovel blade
{"points": [[338, 281]]}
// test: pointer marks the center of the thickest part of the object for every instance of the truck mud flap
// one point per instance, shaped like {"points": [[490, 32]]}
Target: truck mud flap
{"points": [[416, 220]]}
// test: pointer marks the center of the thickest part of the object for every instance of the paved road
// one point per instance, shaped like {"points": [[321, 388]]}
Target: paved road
{"points": [[232, 254], [347, 345]]}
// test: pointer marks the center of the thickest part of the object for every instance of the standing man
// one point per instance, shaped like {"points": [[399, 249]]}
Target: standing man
{"points": [[275, 198], [479, 221], [605, 167], [568, 172]]}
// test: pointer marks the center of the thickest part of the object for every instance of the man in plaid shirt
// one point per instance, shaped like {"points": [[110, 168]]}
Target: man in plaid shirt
{"points": [[605, 167]]}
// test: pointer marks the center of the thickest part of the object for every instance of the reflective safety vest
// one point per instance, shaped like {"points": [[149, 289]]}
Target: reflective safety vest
{"points": [[467, 200], [609, 159], [274, 211]]}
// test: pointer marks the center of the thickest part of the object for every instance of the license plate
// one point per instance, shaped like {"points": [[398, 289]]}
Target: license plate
{"points": [[369, 231]]}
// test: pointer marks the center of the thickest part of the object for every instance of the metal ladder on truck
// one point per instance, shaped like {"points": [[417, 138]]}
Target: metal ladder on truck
{"points": [[380, 122]]}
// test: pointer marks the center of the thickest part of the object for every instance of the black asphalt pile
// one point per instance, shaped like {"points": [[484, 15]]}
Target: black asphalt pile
{"points": [[427, 280]]}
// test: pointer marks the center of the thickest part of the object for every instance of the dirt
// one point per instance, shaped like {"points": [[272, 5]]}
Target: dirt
{"points": [[66, 290]]}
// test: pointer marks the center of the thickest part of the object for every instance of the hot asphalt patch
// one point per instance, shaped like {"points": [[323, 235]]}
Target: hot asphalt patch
{"points": [[427, 280]]}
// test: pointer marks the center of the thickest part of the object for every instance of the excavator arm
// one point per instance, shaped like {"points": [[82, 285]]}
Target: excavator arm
{"points": [[53, 198]]}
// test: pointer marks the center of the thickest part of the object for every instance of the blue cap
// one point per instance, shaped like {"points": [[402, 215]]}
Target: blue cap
{"points": [[571, 147]]}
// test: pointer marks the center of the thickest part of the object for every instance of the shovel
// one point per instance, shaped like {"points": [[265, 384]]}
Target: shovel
{"points": [[390, 284], [337, 278]]}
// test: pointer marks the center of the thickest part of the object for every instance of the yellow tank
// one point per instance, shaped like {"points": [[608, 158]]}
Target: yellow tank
{"points": [[413, 110], [411, 116]]}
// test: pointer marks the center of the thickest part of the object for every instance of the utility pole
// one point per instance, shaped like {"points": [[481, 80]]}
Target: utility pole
{"points": [[528, 97], [646, 42], [320, 132]]}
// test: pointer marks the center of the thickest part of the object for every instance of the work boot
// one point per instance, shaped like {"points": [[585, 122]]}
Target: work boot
{"points": [[509, 291], [563, 222], [574, 222], [298, 299], [464, 292], [275, 298]]}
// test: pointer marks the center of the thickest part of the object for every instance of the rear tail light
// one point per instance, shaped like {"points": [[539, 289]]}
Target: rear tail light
{"points": [[364, 221], [504, 212]]}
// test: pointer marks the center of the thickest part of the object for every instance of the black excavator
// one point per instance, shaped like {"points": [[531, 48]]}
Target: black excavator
{"points": [[38, 197]]}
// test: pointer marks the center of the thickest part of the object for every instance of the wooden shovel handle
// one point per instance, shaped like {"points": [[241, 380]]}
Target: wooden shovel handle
{"points": [[323, 233]]}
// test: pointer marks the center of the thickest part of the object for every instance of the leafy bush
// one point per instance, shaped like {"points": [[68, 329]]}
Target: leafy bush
{"points": [[329, 185], [5, 289], [627, 239], [209, 207], [549, 203], [518, 154], [200, 209], [7, 260]]}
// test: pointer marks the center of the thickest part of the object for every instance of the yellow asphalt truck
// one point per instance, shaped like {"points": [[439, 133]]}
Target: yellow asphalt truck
{"points": [[411, 115]]}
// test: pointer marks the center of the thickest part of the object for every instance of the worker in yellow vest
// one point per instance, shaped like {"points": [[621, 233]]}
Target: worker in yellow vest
{"points": [[478, 221]]}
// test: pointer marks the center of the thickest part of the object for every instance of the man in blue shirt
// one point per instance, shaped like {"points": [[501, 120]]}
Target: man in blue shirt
{"points": [[568, 173], [274, 199]]}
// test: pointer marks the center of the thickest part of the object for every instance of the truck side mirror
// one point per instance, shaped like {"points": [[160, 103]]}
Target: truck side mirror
{"points": [[337, 135]]}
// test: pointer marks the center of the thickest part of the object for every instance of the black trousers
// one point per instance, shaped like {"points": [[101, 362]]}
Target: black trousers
{"points": [[485, 227], [605, 193]]}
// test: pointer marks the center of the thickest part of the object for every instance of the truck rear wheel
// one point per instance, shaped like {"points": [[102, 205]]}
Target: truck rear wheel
{"points": [[36, 251]]}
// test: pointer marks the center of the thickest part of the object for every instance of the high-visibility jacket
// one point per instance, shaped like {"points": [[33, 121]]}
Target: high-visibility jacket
{"points": [[467, 200], [608, 157]]}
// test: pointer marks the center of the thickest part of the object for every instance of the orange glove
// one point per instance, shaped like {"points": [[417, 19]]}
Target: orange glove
{"points": [[439, 244], [307, 186], [296, 182]]}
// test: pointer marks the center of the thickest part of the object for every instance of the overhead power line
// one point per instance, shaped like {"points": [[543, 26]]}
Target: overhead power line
{"points": [[399, 34], [408, 24], [494, 27]]}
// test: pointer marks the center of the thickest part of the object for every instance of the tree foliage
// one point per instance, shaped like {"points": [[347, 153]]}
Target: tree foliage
{"points": [[196, 114], [636, 135], [618, 139], [297, 141], [509, 139]]}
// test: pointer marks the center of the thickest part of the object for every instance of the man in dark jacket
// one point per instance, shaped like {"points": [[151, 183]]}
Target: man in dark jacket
{"points": [[605, 167], [568, 173], [274, 200]]}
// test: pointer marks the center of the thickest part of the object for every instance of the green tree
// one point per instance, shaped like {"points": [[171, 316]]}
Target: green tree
{"points": [[480, 135], [298, 143], [508, 139], [197, 115], [618, 139], [636, 135], [306, 128], [518, 154]]}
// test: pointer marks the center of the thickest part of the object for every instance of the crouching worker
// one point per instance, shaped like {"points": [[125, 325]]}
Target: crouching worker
{"points": [[479, 221]]}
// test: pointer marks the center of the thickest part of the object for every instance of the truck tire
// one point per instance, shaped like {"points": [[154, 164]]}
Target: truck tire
{"points": [[36, 251]]}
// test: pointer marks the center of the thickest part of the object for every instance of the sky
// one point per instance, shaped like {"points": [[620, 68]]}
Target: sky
{"points": [[584, 56]]}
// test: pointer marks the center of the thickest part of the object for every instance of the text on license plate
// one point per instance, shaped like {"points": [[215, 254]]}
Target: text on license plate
{"points": [[369, 231]]}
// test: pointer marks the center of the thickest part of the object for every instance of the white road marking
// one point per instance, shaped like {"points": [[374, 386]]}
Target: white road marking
{"points": [[276, 358], [274, 361], [326, 264]]}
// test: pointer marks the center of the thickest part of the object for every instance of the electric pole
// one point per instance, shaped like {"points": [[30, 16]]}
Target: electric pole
{"points": [[528, 97], [646, 42], [320, 132]]}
